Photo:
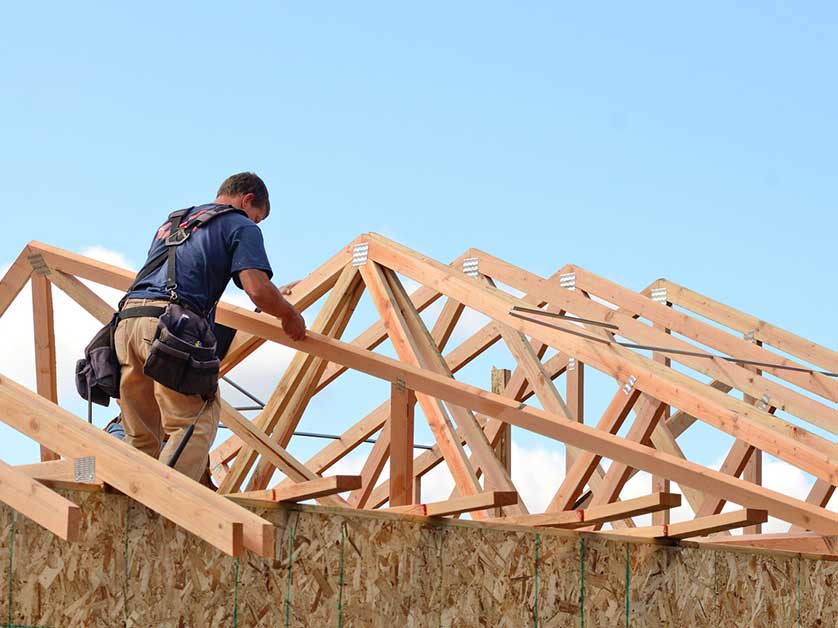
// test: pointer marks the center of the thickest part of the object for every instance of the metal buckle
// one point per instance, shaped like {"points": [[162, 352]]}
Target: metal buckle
{"points": [[176, 238]]}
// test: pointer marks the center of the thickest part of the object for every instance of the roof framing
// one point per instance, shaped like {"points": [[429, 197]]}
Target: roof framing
{"points": [[588, 320]]}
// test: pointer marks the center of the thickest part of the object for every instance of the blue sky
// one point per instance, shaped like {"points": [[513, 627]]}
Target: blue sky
{"points": [[638, 141]]}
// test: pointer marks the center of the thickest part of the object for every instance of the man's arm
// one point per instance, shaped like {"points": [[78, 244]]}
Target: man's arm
{"points": [[267, 297]]}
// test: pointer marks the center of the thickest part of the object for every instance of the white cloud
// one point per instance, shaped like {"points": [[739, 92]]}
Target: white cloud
{"points": [[107, 256]]}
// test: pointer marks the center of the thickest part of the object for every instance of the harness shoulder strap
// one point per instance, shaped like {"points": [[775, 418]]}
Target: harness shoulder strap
{"points": [[178, 234]]}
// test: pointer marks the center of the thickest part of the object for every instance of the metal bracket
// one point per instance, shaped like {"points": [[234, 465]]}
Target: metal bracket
{"points": [[659, 296], [571, 364], [470, 266], [632, 380], [400, 385], [568, 280], [749, 336], [359, 254], [763, 403], [84, 469], [38, 264]]}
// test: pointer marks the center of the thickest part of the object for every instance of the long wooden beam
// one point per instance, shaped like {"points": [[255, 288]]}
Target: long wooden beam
{"points": [[459, 505], [150, 482], [46, 375], [45, 507], [655, 502], [769, 334], [699, 331], [803, 543], [702, 526], [800, 405], [311, 489], [14, 280]]}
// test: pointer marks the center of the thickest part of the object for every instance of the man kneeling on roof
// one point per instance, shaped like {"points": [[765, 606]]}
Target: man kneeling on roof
{"points": [[165, 340]]}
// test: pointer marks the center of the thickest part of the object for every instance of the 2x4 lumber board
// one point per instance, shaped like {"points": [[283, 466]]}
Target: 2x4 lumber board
{"points": [[681, 421], [14, 280], [46, 376], [769, 334], [298, 401], [310, 489], [292, 380], [659, 483], [599, 514], [701, 527], [753, 467], [496, 477], [795, 403], [372, 468], [649, 412], [178, 498], [579, 435], [58, 474], [285, 404], [503, 447], [45, 507], [802, 543], [459, 505], [786, 441], [586, 463], [408, 350], [402, 404], [257, 440], [50, 470], [702, 332], [664, 440], [575, 394]]}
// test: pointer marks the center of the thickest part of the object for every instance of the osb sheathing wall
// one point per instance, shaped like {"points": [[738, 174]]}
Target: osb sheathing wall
{"points": [[134, 568]]}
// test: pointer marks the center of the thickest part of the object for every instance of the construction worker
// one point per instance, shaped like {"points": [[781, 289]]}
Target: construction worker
{"points": [[215, 242]]}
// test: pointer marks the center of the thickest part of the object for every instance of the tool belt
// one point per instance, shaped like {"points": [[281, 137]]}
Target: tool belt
{"points": [[183, 353]]}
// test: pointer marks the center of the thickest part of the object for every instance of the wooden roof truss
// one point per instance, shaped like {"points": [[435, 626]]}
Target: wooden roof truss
{"points": [[676, 358]]}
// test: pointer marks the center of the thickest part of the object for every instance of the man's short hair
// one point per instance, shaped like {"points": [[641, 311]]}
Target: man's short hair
{"points": [[247, 183]]}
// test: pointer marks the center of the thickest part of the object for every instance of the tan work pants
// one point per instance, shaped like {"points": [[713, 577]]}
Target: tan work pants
{"points": [[150, 410]]}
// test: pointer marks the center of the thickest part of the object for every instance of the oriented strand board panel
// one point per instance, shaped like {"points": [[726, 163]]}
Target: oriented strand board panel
{"points": [[333, 567]]}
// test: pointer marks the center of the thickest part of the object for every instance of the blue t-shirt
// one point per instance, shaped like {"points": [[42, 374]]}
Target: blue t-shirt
{"points": [[214, 253]]}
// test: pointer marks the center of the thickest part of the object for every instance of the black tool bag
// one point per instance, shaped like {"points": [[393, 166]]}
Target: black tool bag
{"points": [[97, 374], [183, 353]]}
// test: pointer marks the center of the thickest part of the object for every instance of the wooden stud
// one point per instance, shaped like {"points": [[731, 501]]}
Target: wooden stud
{"points": [[503, 448], [402, 402], [46, 377], [372, 467]]}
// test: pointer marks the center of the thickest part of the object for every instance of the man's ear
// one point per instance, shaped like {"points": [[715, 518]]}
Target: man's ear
{"points": [[247, 200]]}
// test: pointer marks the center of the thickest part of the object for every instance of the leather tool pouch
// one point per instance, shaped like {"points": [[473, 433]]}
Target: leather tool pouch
{"points": [[183, 353], [98, 373]]}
